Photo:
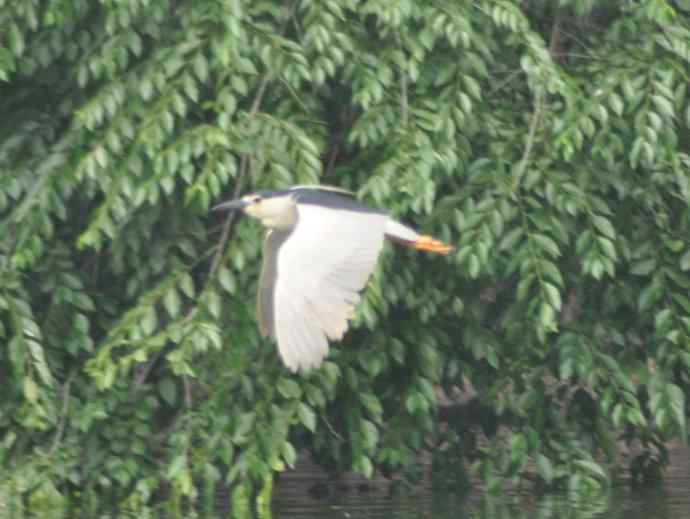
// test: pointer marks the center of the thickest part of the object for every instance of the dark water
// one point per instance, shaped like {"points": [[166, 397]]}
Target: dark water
{"points": [[650, 504], [353, 497], [294, 498]]}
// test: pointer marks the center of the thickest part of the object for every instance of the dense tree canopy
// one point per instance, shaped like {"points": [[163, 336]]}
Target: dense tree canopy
{"points": [[547, 140]]}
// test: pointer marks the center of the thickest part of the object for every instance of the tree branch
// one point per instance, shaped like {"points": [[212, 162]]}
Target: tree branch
{"points": [[244, 166], [539, 103], [404, 102], [57, 439]]}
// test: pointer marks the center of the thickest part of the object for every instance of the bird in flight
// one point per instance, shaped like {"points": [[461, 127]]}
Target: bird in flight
{"points": [[320, 249]]}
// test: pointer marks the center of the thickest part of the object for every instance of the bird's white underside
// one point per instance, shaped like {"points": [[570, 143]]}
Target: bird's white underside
{"points": [[329, 257]]}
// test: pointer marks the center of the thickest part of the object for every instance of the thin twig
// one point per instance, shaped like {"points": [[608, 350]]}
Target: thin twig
{"points": [[187, 392], [244, 161], [404, 102], [143, 372], [554, 40], [404, 109], [331, 161], [539, 102], [244, 164], [503, 83], [260, 94], [534, 122], [57, 439], [330, 428], [227, 226]]}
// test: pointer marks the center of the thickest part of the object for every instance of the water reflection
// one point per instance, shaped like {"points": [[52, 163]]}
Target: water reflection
{"points": [[446, 506], [352, 498], [650, 504], [669, 500]]}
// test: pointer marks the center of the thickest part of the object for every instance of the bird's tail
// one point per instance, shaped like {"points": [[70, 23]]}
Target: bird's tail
{"points": [[404, 235], [429, 244]]}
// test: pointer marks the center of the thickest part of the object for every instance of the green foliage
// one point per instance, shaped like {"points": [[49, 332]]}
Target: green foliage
{"points": [[547, 140]]}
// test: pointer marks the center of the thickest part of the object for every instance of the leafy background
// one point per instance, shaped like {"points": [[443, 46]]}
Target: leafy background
{"points": [[547, 140]]}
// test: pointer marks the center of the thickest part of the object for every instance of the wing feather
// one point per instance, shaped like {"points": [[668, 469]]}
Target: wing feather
{"points": [[264, 301], [321, 268], [294, 326]]}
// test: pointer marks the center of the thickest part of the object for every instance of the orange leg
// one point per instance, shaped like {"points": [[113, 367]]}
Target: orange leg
{"points": [[429, 244]]}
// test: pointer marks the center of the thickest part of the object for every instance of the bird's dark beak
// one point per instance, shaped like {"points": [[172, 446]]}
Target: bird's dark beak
{"points": [[232, 205]]}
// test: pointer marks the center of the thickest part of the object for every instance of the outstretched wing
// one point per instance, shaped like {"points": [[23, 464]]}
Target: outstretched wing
{"points": [[312, 277], [267, 281]]}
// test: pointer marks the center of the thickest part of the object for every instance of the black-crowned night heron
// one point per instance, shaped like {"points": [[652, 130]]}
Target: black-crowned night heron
{"points": [[320, 249]]}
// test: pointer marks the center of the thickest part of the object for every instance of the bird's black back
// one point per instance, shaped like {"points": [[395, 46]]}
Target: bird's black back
{"points": [[324, 197]]}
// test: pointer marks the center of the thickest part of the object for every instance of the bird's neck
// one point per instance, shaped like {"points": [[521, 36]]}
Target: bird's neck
{"points": [[285, 220]]}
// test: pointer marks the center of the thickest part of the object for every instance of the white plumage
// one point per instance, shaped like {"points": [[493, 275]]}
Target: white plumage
{"points": [[319, 252], [320, 270]]}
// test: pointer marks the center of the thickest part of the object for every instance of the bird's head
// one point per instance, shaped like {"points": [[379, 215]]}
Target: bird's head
{"points": [[275, 209]]}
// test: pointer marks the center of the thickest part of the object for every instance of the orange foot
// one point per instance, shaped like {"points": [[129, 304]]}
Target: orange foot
{"points": [[429, 244]]}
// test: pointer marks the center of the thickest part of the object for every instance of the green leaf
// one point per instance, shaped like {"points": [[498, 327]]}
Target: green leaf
{"points": [[616, 104], [547, 316], [607, 248], [178, 463], [677, 406], [226, 280], [213, 303], [664, 106], [649, 296], [168, 391], [84, 302], [644, 267], [545, 468], [289, 388], [604, 226], [16, 40], [371, 403], [201, 67], [289, 454], [524, 286], [550, 271], [30, 390], [685, 261], [370, 434], [149, 321], [593, 469], [306, 416], [243, 426], [662, 319], [518, 448], [547, 244], [511, 239], [473, 266], [364, 465], [553, 295], [172, 302]]}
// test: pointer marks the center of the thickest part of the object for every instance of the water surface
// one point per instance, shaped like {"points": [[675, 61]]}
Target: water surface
{"points": [[350, 499]]}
